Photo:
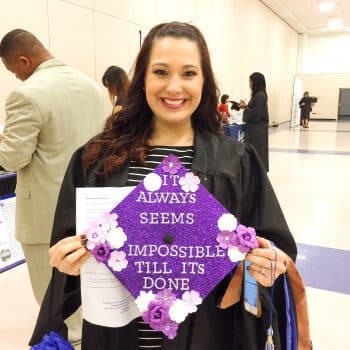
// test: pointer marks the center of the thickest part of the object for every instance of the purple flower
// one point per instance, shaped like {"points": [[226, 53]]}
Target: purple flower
{"points": [[171, 164], [117, 261], [53, 341], [246, 238], [227, 239], [102, 252], [170, 329], [157, 315], [166, 296]]}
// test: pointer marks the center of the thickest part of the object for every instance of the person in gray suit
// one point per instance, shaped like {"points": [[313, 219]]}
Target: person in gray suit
{"points": [[55, 110]]}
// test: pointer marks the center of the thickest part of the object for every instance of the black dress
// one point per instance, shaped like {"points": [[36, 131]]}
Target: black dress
{"points": [[234, 174], [256, 117]]}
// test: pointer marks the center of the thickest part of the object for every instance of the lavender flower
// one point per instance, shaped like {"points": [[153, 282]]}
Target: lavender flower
{"points": [[227, 239], [170, 329], [101, 252], [95, 236], [166, 296], [171, 164], [157, 315], [246, 238]]}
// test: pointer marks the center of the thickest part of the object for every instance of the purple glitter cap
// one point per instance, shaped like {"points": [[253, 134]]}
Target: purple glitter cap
{"points": [[171, 224]]}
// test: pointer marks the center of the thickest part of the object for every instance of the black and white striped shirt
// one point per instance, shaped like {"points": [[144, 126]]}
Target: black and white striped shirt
{"points": [[137, 172], [147, 337]]}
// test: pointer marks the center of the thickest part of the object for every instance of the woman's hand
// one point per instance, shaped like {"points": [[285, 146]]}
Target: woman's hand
{"points": [[69, 254], [263, 258]]}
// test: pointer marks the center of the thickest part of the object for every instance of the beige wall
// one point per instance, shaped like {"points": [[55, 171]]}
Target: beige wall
{"points": [[324, 69], [326, 53], [243, 36], [326, 88]]}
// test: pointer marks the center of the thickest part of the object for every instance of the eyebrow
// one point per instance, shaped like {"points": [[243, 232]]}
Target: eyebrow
{"points": [[166, 65]]}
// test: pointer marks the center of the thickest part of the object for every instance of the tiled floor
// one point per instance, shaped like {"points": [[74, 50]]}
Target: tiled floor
{"points": [[310, 170]]}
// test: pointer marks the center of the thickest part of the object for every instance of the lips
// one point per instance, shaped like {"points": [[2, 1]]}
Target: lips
{"points": [[172, 103]]}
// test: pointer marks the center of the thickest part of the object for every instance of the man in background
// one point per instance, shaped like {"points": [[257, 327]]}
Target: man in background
{"points": [[55, 110]]}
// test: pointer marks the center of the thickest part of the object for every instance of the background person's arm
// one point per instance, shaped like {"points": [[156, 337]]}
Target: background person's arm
{"points": [[254, 111]]}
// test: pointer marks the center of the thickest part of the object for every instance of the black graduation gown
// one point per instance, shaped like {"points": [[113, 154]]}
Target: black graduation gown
{"points": [[256, 117], [305, 106], [233, 172]]}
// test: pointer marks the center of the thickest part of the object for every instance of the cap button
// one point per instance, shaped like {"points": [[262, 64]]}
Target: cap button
{"points": [[168, 238]]}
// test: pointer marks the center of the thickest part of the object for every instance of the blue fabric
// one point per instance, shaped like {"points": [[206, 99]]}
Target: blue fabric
{"points": [[53, 341], [235, 131], [291, 325]]}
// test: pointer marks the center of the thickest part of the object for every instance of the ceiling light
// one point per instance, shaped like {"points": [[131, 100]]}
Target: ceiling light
{"points": [[326, 6], [335, 23]]}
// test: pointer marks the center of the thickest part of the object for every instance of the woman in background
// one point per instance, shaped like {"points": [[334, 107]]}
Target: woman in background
{"points": [[117, 82], [256, 117], [305, 109], [223, 109]]}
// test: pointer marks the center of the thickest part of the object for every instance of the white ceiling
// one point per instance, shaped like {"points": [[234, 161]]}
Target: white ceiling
{"points": [[305, 17]]}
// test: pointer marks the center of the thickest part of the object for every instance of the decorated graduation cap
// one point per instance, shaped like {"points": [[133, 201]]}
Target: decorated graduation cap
{"points": [[169, 242]]}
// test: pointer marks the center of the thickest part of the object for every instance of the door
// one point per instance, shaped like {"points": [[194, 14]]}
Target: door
{"points": [[344, 104]]}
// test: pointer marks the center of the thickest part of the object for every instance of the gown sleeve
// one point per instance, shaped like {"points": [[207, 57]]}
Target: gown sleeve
{"points": [[62, 296], [260, 207]]}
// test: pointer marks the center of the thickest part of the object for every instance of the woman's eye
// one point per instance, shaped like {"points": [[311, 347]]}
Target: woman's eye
{"points": [[190, 74], [160, 72]]}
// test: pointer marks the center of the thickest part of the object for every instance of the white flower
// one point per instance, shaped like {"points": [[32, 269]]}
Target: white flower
{"points": [[227, 222], [143, 300], [152, 182], [192, 298], [116, 237], [235, 255], [189, 182], [178, 311]]}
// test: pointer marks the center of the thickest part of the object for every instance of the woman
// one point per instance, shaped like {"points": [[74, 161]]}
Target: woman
{"points": [[305, 106], [223, 109], [117, 82], [256, 117], [171, 108]]}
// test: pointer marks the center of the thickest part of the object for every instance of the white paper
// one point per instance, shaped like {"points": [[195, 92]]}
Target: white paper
{"points": [[105, 301]]}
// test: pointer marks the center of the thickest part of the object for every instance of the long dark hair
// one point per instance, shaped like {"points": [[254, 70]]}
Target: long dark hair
{"points": [[258, 83], [116, 81], [127, 138]]}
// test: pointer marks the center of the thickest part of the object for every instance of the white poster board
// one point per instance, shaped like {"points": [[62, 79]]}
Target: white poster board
{"points": [[11, 253]]}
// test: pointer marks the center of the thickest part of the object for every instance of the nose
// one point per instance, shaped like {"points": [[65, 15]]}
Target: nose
{"points": [[174, 84]]}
